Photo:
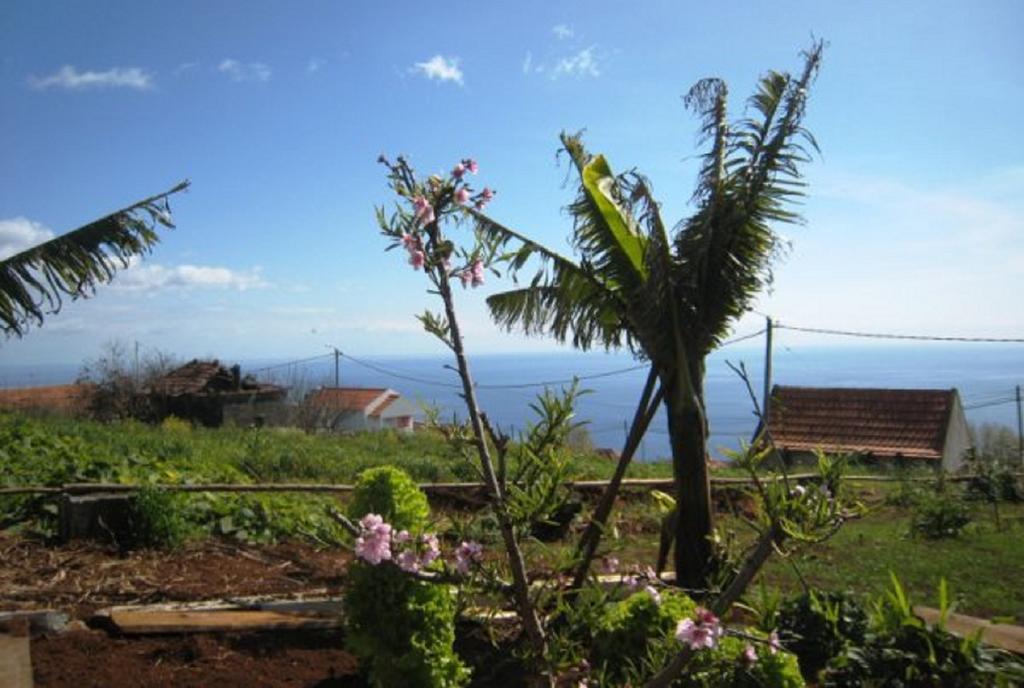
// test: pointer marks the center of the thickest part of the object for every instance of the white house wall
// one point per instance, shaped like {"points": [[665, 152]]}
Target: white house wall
{"points": [[958, 438]]}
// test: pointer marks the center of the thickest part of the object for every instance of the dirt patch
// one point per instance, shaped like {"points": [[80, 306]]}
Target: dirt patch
{"points": [[82, 577], [83, 659]]}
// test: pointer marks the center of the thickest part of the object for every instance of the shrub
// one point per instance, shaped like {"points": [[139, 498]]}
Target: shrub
{"points": [[390, 493], [901, 650], [400, 628], [158, 519], [906, 494], [995, 482], [632, 627], [939, 516], [173, 424], [817, 626], [726, 667]]}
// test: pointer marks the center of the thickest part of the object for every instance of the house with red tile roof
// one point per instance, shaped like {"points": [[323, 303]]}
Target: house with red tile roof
{"points": [[352, 409], [918, 425]]}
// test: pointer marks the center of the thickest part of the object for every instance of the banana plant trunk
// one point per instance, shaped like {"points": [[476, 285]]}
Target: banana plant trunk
{"points": [[687, 429]]}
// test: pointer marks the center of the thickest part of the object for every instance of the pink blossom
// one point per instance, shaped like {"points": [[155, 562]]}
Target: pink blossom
{"points": [[653, 592], [471, 165], [461, 195], [466, 554], [431, 549], [477, 273], [417, 258], [484, 198], [466, 276], [701, 632], [458, 171], [402, 536], [411, 242], [774, 645], [609, 565], [374, 543], [749, 654], [424, 211], [408, 562]]}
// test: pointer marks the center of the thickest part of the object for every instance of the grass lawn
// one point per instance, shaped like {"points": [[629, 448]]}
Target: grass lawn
{"points": [[983, 566]]}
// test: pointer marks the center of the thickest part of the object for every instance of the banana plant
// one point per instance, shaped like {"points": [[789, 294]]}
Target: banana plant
{"points": [[671, 296]]}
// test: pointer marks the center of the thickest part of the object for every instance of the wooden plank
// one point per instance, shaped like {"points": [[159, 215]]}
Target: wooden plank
{"points": [[175, 621], [1004, 636], [15, 662], [429, 488]]}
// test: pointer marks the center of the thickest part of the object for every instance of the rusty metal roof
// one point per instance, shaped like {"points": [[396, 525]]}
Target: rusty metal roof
{"points": [[889, 423], [347, 398], [209, 377]]}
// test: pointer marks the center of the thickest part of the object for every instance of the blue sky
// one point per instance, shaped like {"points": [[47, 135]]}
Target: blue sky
{"points": [[277, 112]]}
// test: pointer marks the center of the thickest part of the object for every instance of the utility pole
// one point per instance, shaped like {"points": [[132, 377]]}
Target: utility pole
{"points": [[766, 397], [337, 368], [1020, 430]]}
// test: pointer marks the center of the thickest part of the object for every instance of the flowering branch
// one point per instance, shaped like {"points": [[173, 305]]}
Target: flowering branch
{"points": [[419, 232], [377, 533]]}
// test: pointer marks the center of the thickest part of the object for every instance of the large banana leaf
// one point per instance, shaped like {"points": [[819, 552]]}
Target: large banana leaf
{"points": [[614, 238], [34, 282]]}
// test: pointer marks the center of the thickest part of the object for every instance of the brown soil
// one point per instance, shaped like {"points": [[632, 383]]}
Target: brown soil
{"points": [[83, 659], [81, 577]]}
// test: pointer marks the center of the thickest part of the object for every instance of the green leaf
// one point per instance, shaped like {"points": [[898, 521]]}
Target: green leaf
{"points": [[601, 186], [35, 281]]}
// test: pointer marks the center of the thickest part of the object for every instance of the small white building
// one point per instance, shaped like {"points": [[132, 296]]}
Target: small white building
{"points": [[353, 409]]}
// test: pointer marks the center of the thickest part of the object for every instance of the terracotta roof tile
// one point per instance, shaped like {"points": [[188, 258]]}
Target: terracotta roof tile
{"points": [[909, 423], [345, 398], [62, 398]]}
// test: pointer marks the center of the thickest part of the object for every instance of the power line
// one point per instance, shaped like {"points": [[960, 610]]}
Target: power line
{"points": [[998, 402], [566, 381], [289, 363], [991, 396], [439, 383], [736, 340], [915, 337], [401, 376]]}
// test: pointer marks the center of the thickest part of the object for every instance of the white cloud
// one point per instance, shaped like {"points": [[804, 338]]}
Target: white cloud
{"points": [[153, 277], [563, 31], [314, 65], [68, 77], [20, 233], [527, 62], [185, 67], [244, 71], [440, 68], [583, 63]]}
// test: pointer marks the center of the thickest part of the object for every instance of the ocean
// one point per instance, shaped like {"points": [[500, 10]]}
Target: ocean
{"points": [[985, 376]]}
